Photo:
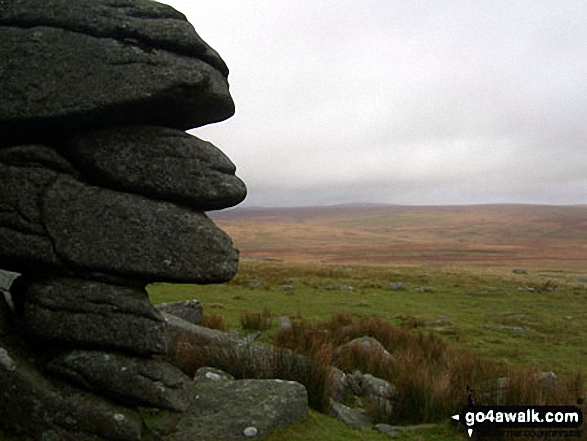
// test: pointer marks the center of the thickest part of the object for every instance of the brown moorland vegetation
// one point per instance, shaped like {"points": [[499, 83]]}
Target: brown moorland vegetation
{"points": [[533, 236]]}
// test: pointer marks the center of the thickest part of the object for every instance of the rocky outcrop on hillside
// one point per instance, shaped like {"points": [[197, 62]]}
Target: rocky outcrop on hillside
{"points": [[101, 193]]}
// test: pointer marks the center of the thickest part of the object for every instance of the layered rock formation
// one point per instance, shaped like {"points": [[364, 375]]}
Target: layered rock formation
{"points": [[101, 193]]}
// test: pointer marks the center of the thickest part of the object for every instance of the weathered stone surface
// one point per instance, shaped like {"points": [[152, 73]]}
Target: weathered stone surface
{"points": [[211, 374], [49, 220], [160, 163], [224, 409], [379, 393], [37, 156], [115, 81], [366, 347], [139, 238], [131, 380], [5, 315], [90, 314], [189, 310], [35, 405], [351, 417], [147, 22]]}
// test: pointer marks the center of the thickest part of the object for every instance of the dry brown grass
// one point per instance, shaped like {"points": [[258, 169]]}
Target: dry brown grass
{"points": [[256, 321], [431, 377], [496, 235], [214, 321]]}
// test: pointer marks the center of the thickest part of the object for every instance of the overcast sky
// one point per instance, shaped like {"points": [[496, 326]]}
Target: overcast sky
{"points": [[402, 101]]}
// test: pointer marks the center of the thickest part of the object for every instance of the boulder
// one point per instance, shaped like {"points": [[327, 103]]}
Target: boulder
{"points": [[117, 80], [159, 163], [90, 314], [149, 23], [44, 408], [381, 394], [49, 220], [351, 417], [130, 380], [211, 374], [365, 347], [223, 410], [188, 310]]}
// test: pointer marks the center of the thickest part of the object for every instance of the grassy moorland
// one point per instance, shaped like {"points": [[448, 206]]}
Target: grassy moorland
{"points": [[456, 265], [506, 236]]}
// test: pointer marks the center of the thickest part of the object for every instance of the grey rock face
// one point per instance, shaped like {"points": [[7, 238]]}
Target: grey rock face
{"points": [[189, 310], [100, 194], [81, 81], [139, 238], [131, 380], [150, 23], [51, 220], [160, 163], [224, 409], [42, 407], [90, 314]]}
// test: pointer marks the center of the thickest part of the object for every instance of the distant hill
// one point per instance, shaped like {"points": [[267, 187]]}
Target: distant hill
{"points": [[553, 237]]}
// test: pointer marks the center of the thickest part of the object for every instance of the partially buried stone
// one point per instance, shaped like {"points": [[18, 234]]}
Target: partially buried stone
{"points": [[158, 162], [131, 380], [90, 314]]}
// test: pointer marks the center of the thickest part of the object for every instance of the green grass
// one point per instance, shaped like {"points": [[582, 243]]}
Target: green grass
{"points": [[477, 302], [318, 427]]}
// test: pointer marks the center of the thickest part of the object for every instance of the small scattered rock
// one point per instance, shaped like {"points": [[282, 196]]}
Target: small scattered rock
{"points": [[287, 287], [424, 289], [441, 320], [488, 292], [387, 429], [514, 329], [255, 282], [189, 310], [250, 432], [397, 286], [341, 287], [547, 379], [351, 417], [520, 271], [284, 323]]}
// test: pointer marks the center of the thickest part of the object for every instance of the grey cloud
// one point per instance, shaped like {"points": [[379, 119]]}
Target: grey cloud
{"points": [[402, 102]]}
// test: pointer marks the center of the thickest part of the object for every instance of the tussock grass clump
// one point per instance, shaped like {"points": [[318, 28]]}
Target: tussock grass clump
{"points": [[256, 321], [214, 321]]}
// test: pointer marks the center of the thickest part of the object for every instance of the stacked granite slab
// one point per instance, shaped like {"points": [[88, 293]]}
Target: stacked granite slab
{"points": [[103, 192]]}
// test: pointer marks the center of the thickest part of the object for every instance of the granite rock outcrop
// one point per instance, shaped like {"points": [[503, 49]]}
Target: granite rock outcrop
{"points": [[101, 193]]}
